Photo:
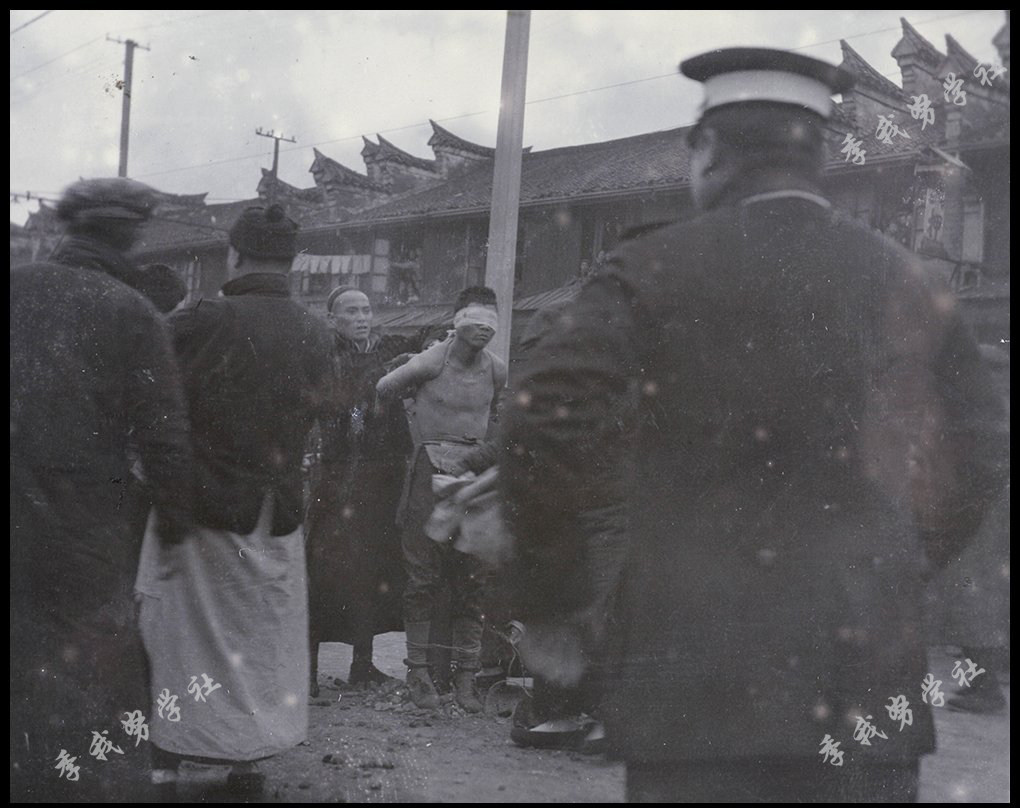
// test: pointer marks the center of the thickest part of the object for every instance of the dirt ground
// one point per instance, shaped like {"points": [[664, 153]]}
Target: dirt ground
{"points": [[373, 746]]}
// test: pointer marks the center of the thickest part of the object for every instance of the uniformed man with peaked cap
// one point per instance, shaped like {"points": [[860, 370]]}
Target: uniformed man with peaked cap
{"points": [[813, 432]]}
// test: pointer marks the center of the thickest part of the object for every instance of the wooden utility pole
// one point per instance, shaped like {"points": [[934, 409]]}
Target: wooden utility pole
{"points": [[125, 113], [506, 176], [276, 155]]}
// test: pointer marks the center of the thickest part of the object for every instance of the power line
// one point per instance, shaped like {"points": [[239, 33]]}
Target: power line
{"points": [[55, 58], [886, 30], [405, 127], [532, 101], [25, 25], [54, 81]]}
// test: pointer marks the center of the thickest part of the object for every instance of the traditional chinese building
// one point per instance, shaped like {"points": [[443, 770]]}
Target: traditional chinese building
{"points": [[925, 160]]}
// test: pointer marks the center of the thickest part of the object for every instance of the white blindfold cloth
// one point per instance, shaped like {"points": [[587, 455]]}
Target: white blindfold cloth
{"points": [[476, 315]]}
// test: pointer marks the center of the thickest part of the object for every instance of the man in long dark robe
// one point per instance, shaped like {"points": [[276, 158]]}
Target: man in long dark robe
{"points": [[355, 567]]}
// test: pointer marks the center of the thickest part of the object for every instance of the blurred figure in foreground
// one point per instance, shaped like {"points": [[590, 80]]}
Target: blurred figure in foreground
{"points": [[812, 420], [92, 371]]}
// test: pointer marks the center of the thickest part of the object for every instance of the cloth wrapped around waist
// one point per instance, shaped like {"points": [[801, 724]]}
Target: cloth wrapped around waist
{"points": [[445, 455], [470, 513]]}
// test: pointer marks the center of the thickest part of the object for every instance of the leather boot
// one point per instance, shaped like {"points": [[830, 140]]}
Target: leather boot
{"points": [[464, 691], [423, 692], [419, 682]]}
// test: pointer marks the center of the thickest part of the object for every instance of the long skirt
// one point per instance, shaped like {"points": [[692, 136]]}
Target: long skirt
{"points": [[224, 618]]}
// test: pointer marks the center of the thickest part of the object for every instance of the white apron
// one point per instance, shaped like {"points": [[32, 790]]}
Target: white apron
{"points": [[236, 609]]}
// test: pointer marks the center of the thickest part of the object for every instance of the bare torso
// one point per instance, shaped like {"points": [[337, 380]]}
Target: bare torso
{"points": [[455, 405]]}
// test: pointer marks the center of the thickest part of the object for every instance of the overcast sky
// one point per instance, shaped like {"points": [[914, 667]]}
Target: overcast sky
{"points": [[328, 77]]}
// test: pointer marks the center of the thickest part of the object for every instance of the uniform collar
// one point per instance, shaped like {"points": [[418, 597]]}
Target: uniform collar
{"points": [[788, 194], [765, 185], [271, 284]]}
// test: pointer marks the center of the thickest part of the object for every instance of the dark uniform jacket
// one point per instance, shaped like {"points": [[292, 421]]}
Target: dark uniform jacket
{"points": [[92, 372], [811, 416], [256, 375]]}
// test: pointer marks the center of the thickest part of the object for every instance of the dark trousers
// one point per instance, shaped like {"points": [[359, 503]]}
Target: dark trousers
{"points": [[430, 566], [773, 780]]}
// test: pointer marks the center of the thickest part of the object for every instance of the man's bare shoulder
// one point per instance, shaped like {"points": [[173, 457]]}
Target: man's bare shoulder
{"points": [[499, 369]]}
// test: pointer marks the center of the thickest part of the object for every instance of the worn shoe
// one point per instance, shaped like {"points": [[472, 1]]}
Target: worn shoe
{"points": [[365, 673], [423, 692], [465, 693]]}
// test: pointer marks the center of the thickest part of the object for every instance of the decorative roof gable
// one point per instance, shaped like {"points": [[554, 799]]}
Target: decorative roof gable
{"points": [[865, 74]]}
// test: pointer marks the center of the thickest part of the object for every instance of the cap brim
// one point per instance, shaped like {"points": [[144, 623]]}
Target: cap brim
{"points": [[727, 60]]}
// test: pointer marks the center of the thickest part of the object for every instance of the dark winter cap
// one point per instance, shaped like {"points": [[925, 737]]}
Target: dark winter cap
{"points": [[106, 198], [265, 233]]}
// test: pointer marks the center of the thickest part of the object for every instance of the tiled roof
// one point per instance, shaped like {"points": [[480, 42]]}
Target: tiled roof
{"points": [[955, 52], [901, 147], [208, 224], [285, 189], [913, 42], [418, 315], [659, 159], [386, 151], [444, 137], [865, 74], [644, 162], [168, 200], [326, 170]]}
